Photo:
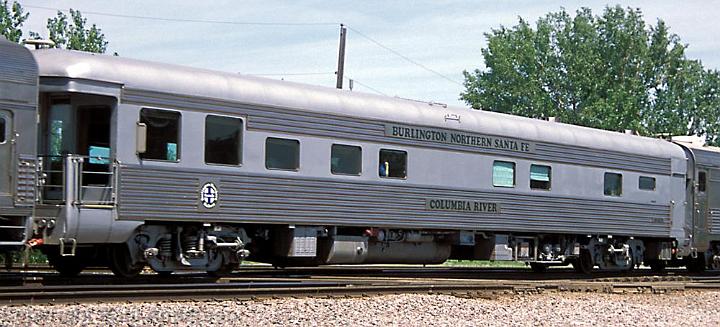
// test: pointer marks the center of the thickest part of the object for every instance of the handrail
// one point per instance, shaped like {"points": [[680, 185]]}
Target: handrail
{"points": [[78, 186]]}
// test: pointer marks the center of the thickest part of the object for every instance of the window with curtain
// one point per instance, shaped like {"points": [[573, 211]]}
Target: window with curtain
{"points": [[504, 174], [540, 177]]}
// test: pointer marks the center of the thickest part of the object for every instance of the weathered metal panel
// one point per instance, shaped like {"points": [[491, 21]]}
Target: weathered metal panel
{"points": [[16, 106], [163, 194], [343, 127], [18, 100], [16, 64], [707, 157], [713, 195], [714, 218], [25, 187]]}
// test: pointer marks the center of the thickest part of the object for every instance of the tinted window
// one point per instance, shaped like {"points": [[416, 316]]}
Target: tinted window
{"points": [[393, 163], [345, 159], [646, 183], [2, 129], [613, 184], [503, 174], [60, 129], [163, 134], [702, 181], [540, 177], [223, 140], [282, 154]]}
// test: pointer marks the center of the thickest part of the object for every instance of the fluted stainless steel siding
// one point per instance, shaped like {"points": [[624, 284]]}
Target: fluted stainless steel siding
{"points": [[16, 65], [706, 157], [171, 194], [16, 106], [316, 124]]}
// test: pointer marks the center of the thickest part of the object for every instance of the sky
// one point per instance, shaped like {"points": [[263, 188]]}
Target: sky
{"points": [[410, 49]]}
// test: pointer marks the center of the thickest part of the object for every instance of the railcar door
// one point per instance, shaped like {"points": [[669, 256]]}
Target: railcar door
{"points": [[77, 126], [712, 195], [18, 116], [701, 197], [5, 151]]}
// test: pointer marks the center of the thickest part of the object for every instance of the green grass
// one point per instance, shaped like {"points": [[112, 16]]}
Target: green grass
{"points": [[35, 257]]}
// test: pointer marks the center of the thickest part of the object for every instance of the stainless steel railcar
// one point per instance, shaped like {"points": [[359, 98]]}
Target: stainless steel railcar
{"points": [[123, 163]]}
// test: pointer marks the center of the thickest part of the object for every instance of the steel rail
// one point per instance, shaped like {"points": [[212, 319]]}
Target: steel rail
{"points": [[332, 286]]}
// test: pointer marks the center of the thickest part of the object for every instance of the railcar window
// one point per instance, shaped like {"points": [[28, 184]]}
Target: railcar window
{"points": [[223, 140], [613, 184], [282, 154], [2, 129], [702, 181], [504, 174], [646, 183], [345, 159], [94, 139], [163, 134], [540, 177], [60, 129], [393, 163]]}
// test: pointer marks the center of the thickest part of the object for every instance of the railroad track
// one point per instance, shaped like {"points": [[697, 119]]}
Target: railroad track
{"points": [[367, 270], [335, 282]]}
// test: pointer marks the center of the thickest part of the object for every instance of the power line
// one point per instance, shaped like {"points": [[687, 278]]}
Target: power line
{"points": [[209, 21], [288, 74], [186, 20], [405, 57], [318, 73]]}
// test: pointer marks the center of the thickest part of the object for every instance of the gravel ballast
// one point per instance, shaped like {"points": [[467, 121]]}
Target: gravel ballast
{"points": [[549, 309]]}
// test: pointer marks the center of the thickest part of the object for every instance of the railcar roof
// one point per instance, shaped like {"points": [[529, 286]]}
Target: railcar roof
{"points": [[144, 75]]}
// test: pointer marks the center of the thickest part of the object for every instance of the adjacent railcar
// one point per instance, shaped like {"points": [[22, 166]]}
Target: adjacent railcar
{"points": [[123, 163]]}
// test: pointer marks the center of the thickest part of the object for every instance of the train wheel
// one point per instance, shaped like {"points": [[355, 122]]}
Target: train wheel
{"points": [[121, 262], [715, 263], [538, 267], [583, 264], [69, 266], [224, 271], [696, 265]]}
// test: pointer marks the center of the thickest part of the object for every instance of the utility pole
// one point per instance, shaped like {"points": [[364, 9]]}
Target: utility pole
{"points": [[341, 57]]}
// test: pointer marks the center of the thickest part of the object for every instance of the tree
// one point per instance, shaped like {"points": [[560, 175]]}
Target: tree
{"points": [[74, 35], [612, 72], [67, 33], [11, 19]]}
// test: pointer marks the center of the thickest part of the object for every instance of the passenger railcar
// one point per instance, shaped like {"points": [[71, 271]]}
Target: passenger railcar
{"points": [[123, 163]]}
